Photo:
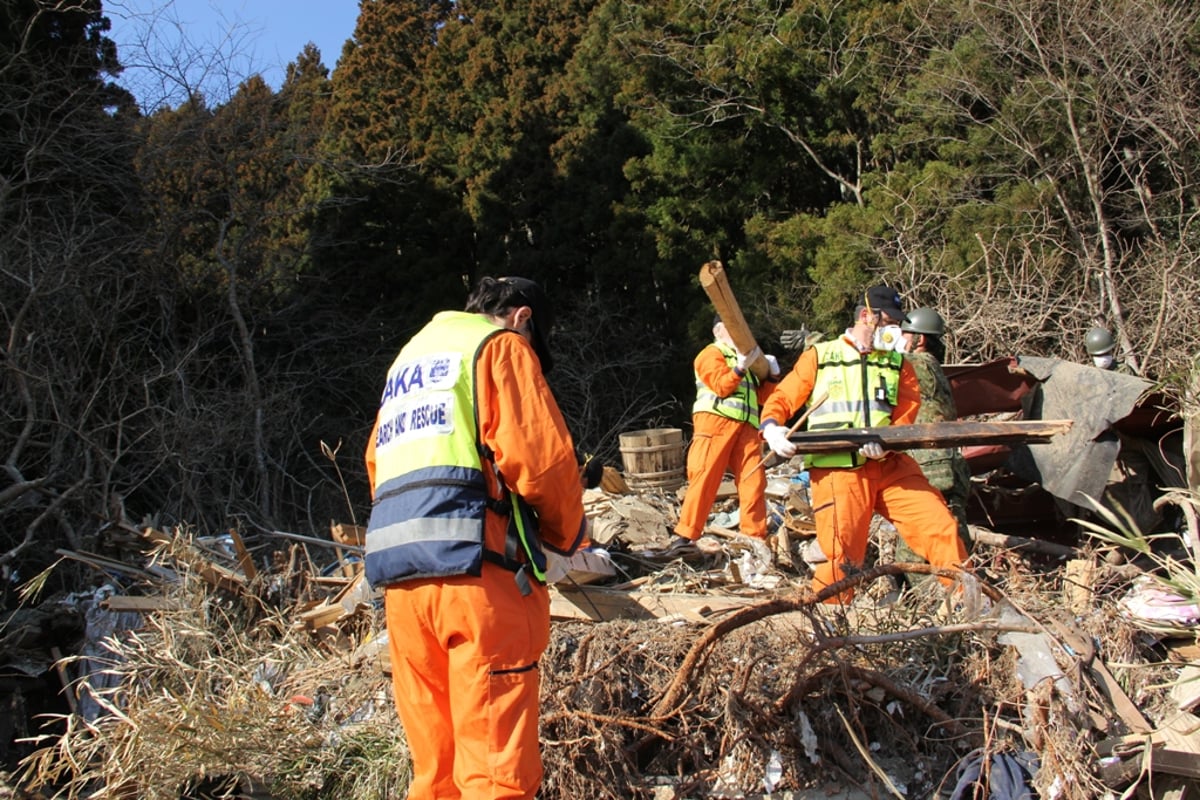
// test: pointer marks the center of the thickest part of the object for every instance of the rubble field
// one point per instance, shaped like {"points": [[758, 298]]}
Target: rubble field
{"points": [[257, 667]]}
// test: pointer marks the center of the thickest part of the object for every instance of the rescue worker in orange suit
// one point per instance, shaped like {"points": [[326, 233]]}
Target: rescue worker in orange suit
{"points": [[472, 473], [868, 384], [725, 436]]}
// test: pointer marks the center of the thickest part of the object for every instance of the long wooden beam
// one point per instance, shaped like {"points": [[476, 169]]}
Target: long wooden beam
{"points": [[716, 286], [932, 435]]}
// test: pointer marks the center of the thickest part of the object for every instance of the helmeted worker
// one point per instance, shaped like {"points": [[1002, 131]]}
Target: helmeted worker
{"points": [[472, 472], [1100, 344], [945, 467], [725, 421], [867, 384]]}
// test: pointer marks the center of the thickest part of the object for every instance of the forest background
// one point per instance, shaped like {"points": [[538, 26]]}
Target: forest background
{"points": [[201, 293]]}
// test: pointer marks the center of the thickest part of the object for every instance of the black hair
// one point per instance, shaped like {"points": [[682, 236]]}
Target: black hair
{"points": [[494, 298], [935, 346]]}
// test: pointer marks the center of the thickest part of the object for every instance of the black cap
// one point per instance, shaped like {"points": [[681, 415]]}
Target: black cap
{"points": [[530, 294], [886, 299]]}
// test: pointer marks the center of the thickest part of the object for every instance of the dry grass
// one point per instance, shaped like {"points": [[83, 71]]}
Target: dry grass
{"points": [[207, 697]]}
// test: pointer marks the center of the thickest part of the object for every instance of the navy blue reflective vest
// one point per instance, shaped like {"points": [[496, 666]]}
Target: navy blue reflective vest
{"points": [[431, 494]]}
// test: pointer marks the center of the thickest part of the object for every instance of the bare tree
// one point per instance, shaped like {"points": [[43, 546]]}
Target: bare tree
{"points": [[1088, 110]]}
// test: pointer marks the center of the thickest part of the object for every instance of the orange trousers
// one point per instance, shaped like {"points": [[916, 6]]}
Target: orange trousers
{"points": [[844, 500], [719, 443], [465, 675]]}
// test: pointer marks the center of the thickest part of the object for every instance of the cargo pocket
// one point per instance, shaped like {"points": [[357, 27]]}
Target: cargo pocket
{"points": [[697, 455], [513, 751]]}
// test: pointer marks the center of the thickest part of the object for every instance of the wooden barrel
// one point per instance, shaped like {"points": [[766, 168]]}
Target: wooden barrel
{"points": [[654, 458]]}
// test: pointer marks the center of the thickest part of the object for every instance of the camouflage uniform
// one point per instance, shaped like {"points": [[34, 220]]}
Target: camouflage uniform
{"points": [[945, 467]]}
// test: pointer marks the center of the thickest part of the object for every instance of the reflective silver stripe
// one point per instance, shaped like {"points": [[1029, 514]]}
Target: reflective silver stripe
{"points": [[846, 412], [429, 529]]}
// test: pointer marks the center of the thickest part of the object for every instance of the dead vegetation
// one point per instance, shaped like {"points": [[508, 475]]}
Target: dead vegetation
{"points": [[722, 677]]}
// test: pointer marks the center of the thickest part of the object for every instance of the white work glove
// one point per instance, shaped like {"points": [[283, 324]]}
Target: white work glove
{"points": [[774, 363], [744, 360], [776, 437], [872, 450]]}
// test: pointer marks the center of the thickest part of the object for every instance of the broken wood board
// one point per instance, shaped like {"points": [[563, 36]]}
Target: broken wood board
{"points": [[212, 573], [1186, 690], [354, 535], [931, 435], [347, 535], [599, 604], [357, 592], [245, 560], [1173, 748], [716, 285]]}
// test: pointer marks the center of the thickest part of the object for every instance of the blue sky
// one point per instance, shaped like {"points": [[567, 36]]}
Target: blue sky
{"points": [[171, 46]]}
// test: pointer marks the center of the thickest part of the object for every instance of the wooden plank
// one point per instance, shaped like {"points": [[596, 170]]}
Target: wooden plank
{"points": [[931, 435], [60, 667], [1079, 641], [603, 604], [243, 556], [716, 286], [124, 602]]}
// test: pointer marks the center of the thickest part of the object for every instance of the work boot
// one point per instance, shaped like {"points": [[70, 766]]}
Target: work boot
{"points": [[678, 547]]}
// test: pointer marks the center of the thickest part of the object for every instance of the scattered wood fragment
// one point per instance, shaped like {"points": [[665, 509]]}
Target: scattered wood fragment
{"points": [[1079, 580], [1085, 651], [347, 535], [214, 574], [612, 482], [60, 667], [345, 603], [138, 603], [243, 556], [352, 535], [1009, 542], [1186, 691]]}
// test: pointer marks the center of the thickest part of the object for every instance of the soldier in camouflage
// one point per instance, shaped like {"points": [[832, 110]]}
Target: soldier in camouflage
{"points": [[945, 468]]}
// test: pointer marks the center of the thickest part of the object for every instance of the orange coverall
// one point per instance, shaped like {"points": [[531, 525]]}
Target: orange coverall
{"points": [[844, 499], [720, 443], [465, 650]]}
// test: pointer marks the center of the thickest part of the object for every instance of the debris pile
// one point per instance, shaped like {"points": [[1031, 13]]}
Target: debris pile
{"points": [[259, 667]]}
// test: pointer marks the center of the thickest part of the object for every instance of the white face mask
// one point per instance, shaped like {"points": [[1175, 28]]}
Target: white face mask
{"points": [[1103, 362], [888, 337], [902, 345]]}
